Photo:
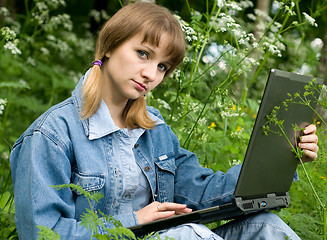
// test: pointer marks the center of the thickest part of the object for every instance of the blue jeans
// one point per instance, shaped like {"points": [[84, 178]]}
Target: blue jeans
{"points": [[255, 227]]}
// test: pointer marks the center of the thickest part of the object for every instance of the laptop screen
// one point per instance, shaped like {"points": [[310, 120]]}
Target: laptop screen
{"points": [[273, 164]]}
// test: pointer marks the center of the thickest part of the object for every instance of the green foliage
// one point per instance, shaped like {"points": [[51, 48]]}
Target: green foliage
{"points": [[210, 102], [47, 234]]}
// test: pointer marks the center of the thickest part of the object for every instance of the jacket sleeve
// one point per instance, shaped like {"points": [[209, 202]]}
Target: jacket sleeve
{"points": [[200, 187], [38, 161]]}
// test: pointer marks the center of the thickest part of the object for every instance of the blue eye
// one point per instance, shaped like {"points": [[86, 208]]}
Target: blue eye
{"points": [[162, 67], [143, 54]]}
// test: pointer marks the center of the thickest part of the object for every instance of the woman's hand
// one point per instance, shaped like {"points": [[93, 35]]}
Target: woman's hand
{"points": [[308, 143], [157, 210]]}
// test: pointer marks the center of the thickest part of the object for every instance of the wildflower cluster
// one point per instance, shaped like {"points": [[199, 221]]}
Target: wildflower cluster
{"points": [[99, 15], [9, 40], [238, 133], [310, 20], [231, 112], [3, 103], [190, 33], [42, 15]]}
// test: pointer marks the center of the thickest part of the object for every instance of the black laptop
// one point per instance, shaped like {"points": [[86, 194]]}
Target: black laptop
{"points": [[269, 164]]}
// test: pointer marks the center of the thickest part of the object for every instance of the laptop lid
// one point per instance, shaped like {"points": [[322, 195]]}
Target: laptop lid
{"points": [[269, 164]]}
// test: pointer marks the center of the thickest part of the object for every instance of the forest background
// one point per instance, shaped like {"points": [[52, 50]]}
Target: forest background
{"points": [[210, 101]]}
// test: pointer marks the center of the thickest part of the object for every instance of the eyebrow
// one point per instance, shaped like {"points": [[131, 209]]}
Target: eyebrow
{"points": [[150, 49]]}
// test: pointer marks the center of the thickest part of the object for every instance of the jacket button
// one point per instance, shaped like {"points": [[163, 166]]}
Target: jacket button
{"points": [[136, 145], [147, 168]]}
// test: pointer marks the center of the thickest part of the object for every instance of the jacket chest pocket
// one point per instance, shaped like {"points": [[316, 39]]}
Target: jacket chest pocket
{"points": [[90, 183], [165, 173]]}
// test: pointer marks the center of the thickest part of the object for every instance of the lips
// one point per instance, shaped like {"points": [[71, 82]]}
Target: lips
{"points": [[140, 86]]}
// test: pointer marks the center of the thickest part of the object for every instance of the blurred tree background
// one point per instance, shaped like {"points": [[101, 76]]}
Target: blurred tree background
{"points": [[212, 99]]}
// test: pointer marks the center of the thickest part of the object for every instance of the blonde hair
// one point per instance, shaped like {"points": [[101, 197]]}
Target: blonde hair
{"points": [[151, 21]]}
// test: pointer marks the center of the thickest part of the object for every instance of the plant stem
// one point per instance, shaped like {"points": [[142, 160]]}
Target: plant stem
{"points": [[298, 155], [325, 222], [198, 56], [197, 120]]}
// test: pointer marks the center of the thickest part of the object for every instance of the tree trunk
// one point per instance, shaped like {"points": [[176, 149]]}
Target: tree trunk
{"points": [[264, 6]]}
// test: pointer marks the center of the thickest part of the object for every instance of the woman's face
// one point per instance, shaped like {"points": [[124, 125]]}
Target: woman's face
{"points": [[135, 68]]}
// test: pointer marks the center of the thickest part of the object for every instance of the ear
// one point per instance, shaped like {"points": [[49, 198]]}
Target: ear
{"points": [[107, 54]]}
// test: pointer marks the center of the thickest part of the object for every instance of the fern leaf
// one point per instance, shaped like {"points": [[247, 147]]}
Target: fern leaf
{"points": [[46, 233]]}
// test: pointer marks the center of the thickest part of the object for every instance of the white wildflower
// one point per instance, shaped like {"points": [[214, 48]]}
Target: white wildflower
{"points": [[41, 17], [5, 155], [317, 43], [233, 6], [31, 61], [272, 48], [255, 45], [164, 104], [208, 59], [262, 15], [235, 162], [104, 15], [189, 32], [3, 103], [44, 51], [61, 19], [204, 137], [246, 4], [305, 69], [222, 65], [4, 11], [51, 38], [310, 19], [237, 134], [176, 74], [228, 113], [212, 73], [220, 3], [11, 46], [95, 14], [56, 3], [186, 59], [251, 17], [41, 6], [8, 34], [224, 22], [215, 50]]}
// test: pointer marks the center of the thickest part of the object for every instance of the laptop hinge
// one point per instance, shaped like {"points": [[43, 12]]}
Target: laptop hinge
{"points": [[272, 201]]}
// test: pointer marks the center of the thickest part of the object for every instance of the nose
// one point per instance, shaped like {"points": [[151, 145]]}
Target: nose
{"points": [[149, 72]]}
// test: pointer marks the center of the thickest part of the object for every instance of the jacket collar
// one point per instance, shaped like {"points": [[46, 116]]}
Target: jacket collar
{"points": [[100, 124]]}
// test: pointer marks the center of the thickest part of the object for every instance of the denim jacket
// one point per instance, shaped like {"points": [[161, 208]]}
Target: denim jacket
{"points": [[56, 149]]}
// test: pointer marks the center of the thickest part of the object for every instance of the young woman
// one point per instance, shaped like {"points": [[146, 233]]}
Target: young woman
{"points": [[104, 138]]}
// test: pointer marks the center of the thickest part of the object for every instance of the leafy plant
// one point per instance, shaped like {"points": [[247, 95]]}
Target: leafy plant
{"points": [[92, 220]]}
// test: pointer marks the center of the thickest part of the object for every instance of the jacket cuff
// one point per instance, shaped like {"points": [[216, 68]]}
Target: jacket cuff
{"points": [[127, 220]]}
